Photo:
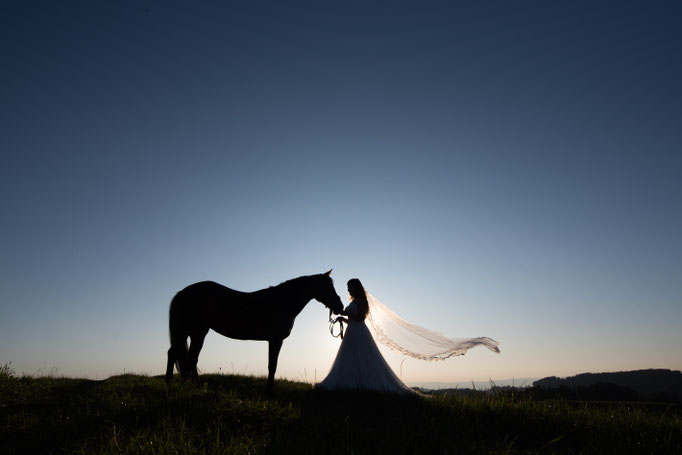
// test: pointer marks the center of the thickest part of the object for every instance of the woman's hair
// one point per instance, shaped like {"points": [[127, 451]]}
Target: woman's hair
{"points": [[357, 295]]}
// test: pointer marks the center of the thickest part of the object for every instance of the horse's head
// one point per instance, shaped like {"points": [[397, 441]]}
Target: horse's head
{"points": [[326, 294]]}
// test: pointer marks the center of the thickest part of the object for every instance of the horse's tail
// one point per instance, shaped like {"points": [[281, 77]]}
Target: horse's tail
{"points": [[178, 337]]}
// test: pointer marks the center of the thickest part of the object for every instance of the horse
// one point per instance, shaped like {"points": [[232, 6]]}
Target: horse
{"points": [[267, 314]]}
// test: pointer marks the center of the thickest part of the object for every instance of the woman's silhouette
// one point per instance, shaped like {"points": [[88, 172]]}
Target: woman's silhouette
{"points": [[359, 364]]}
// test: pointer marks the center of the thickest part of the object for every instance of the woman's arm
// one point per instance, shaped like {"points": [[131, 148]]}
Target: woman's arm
{"points": [[352, 312]]}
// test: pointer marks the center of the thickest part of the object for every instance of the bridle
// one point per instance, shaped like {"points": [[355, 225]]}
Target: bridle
{"points": [[332, 323]]}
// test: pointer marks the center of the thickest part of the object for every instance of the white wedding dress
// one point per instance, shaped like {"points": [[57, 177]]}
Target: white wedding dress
{"points": [[359, 364]]}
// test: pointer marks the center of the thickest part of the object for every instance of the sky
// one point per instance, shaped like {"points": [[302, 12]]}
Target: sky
{"points": [[492, 168]]}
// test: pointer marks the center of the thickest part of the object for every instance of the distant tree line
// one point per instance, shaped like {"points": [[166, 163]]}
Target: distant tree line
{"points": [[657, 385]]}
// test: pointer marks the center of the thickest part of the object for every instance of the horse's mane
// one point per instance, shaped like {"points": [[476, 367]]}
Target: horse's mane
{"points": [[294, 282], [291, 289]]}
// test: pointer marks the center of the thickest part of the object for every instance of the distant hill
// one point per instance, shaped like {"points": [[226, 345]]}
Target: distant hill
{"points": [[652, 384]]}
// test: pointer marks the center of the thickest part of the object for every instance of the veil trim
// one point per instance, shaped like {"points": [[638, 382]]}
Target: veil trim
{"points": [[412, 340]]}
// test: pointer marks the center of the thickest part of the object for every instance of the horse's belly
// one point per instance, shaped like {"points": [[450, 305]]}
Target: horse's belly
{"points": [[249, 323], [241, 334]]}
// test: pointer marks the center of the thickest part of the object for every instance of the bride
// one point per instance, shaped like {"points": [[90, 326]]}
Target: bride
{"points": [[360, 365]]}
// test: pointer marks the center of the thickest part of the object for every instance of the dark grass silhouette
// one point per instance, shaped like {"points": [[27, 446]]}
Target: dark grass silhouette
{"points": [[267, 315], [231, 414]]}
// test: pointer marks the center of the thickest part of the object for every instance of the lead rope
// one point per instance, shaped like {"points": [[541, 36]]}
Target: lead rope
{"points": [[332, 322]]}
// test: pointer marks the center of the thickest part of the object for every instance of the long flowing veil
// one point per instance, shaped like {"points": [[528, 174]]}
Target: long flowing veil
{"points": [[418, 342]]}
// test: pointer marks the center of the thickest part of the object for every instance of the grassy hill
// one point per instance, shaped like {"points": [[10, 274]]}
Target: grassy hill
{"points": [[231, 414]]}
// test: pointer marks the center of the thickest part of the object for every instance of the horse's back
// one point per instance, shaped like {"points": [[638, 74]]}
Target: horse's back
{"points": [[219, 301], [204, 296], [208, 287]]}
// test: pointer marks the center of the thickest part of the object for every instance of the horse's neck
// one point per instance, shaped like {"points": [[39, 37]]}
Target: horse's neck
{"points": [[299, 305], [298, 297], [299, 301]]}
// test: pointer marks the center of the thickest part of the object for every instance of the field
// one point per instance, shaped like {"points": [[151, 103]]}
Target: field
{"points": [[231, 414]]}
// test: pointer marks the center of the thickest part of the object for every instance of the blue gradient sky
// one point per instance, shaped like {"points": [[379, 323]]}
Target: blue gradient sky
{"points": [[506, 169]]}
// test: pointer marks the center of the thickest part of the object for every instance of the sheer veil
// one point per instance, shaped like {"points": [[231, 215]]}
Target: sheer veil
{"points": [[418, 342]]}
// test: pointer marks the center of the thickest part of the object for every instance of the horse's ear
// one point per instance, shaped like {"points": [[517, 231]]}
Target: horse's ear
{"points": [[329, 273]]}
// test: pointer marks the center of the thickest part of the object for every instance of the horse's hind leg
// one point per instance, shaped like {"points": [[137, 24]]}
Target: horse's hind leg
{"points": [[171, 365], [194, 349], [177, 355]]}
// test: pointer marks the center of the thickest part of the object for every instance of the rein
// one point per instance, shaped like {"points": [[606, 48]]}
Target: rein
{"points": [[332, 323]]}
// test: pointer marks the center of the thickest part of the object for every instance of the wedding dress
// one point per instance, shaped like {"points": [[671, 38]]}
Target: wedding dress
{"points": [[359, 364]]}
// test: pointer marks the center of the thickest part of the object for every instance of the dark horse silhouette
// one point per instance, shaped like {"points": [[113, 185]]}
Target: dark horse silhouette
{"points": [[267, 314]]}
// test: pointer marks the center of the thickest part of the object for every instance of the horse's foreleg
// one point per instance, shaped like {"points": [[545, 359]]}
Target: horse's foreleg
{"points": [[274, 348]]}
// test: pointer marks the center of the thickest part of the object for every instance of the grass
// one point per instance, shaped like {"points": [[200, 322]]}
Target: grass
{"points": [[231, 414]]}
